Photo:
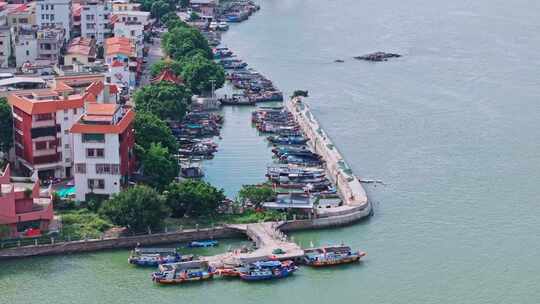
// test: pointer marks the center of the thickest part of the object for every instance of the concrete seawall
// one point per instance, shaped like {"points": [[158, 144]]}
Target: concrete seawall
{"points": [[338, 171], [122, 242]]}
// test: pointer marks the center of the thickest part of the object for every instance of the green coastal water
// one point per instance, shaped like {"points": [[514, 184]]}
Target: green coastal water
{"points": [[451, 128]]}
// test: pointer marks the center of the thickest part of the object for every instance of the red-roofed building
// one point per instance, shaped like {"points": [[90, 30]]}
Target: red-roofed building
{"points": [[80, 50], [41, 121], [168, 76], [103, 157]]}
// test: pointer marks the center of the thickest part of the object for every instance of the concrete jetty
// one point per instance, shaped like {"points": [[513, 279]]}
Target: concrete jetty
{"points": [[267, 238], [338, 171]]}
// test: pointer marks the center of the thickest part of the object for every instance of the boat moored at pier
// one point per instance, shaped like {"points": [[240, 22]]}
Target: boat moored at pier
{"points": [[331, 255], [153, 257], [178, 273]]}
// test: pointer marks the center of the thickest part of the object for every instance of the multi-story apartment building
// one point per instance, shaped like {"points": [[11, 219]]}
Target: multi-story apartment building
{"points": [[103, 150], [50, 42], [25, 45], [55, 13], [5, 45], [38, 46], [21, 15], [42, 120], [95, 20], [22, 206]]}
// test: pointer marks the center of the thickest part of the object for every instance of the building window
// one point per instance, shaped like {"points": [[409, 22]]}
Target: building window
{"points": [[99, 153], [93, 137], [68, 160], [80, 168], [52, 17], [52, 6], [66, 132], [41, 145], [66, 146], [107, 169], [42, 117], [75, 111], [96, 184], [66, 118], [27, 53]]}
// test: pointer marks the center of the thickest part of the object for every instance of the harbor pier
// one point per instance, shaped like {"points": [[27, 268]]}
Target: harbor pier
{"points": [[355, 201]]}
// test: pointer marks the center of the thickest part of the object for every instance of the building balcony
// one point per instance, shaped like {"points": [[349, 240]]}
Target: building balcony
{"points": [[43, 123]]}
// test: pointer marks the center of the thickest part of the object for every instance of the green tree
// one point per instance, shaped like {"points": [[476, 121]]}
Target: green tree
{"points": [[193, 198], [184, 3], [6, 126], [150, 129], [174, 23], [159, 66], [137, 208], [182, 42], [256, 194], [159, 167], [199, 73], [166, 100], [159, 8]]}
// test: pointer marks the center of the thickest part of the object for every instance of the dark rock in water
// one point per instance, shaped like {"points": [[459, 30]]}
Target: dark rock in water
{"points": [[377, 56], [339, 60]]}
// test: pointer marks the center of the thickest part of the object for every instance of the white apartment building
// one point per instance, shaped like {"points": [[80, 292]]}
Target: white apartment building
{"points": [[54, 13], [5, 45], [95, 20], [25, 45], [103, 150]]}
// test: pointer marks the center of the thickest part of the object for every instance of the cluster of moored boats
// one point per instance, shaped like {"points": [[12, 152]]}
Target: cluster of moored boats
{"points": [[174, 268], [298, 166], [238, 11], [194, 134], [255, 86]]}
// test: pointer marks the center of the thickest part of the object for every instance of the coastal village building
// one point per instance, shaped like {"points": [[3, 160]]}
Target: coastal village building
{"points": [[131, 16], [103, 139], [25, 45], [80, 51], [120, 75], [54, 13], [38, 46], [133, 30], [122, 5], [21, 15], [41, 121], [22, 207], [5, 45], [95, 20]]}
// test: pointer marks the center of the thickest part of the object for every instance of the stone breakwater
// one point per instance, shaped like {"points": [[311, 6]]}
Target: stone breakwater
{"points": [[338, 171]]}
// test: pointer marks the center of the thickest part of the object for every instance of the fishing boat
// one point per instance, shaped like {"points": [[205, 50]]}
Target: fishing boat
{"points": [[202, 244], [287, 140], [153, 257], [267, 270], [178, 273], [331, 255]]}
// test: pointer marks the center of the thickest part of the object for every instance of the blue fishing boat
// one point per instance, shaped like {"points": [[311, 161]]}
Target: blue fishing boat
{"points": [[268, 270], [202, 244], [178, 273], [287, 140], [152, 257]]}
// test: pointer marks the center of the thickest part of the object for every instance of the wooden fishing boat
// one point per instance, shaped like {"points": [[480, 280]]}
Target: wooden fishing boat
{"points": [[153, 257], [331, 255], [178, 273], [267, 270]]}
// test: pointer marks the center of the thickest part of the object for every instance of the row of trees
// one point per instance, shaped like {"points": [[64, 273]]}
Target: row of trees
{"points": [[148, 205], [142, 207]]}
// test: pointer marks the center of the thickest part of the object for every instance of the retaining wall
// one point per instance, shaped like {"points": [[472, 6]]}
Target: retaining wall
{"points": [[122, 242]]}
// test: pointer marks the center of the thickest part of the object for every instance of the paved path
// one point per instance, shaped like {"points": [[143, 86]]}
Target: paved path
{"points": [[267, 237]]}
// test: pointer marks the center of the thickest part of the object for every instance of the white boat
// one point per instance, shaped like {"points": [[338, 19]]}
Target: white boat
{"points": [[223, 26]]}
